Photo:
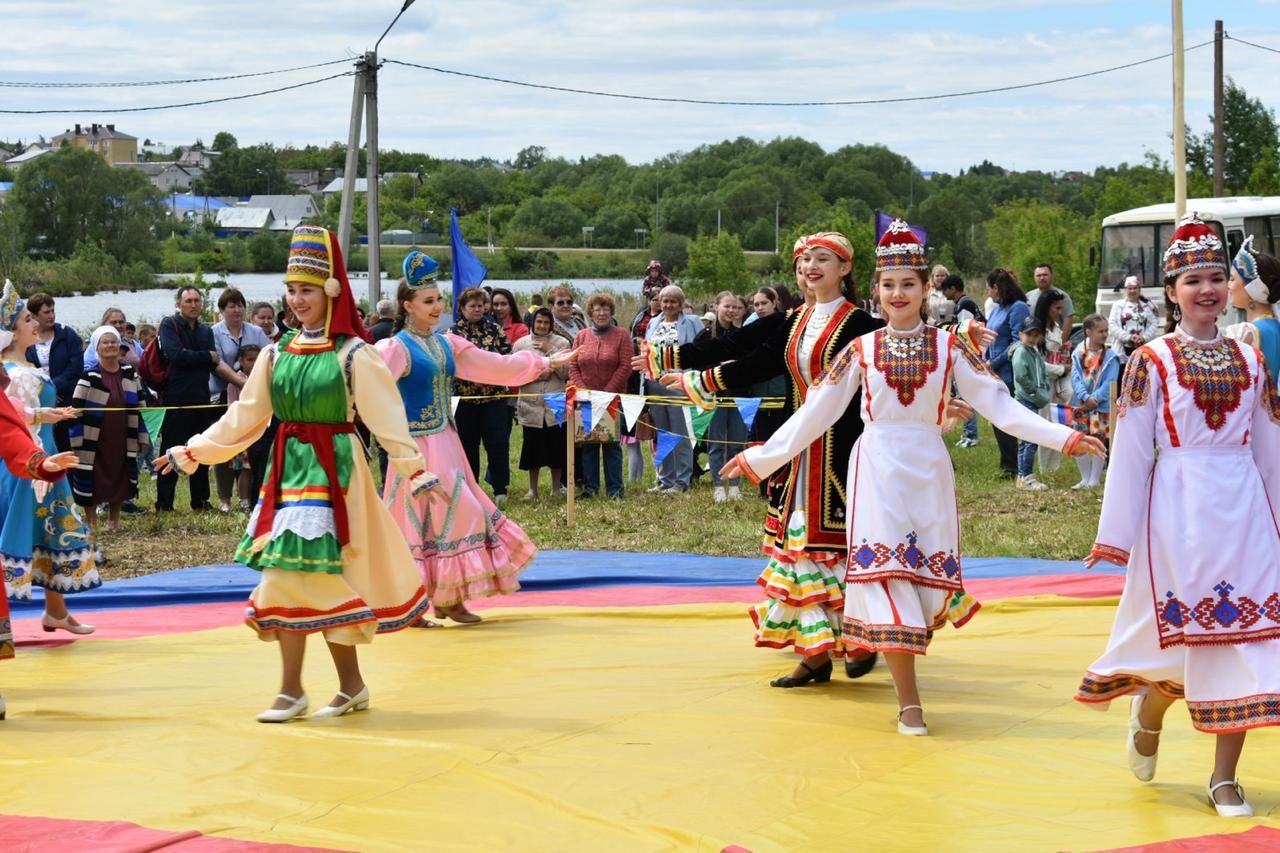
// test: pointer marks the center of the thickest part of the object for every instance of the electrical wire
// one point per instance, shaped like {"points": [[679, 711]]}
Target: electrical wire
{"points": [[224, 100], [1251, 44], [729, 103], [48, 84]]}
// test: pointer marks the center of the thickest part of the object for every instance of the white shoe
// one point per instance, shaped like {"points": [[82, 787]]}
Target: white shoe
{"points": [[358, 702], [223, 506], [530, 496], [735, 494], [671, 490], [1029, 483], [500, 500], [1242, 810], [717, 494], [912, 731], [1080, 486], [654, 490], [1143, 766], [2, 708], [284, 715], [50, 624]]}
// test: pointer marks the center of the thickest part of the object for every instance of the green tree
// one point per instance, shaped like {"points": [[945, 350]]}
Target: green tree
{"points": [[1250, 131], [559, 220], [254, 170], [224, 141], [717, 263], [1027, 232]]}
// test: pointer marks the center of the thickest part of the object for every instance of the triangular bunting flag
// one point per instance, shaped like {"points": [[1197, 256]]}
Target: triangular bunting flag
{"points": [[632, 405], [454, 409], [555, 402], [688, 424], [701, 422], [600, 401], [583, 408], [666, 442], [748, 407]]}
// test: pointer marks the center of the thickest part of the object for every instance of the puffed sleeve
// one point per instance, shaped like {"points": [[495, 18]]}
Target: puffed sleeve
{"points": [[380, 406], [393, 356], [491, 368], [1133, 456], [21, 455], [24, 390], [987, 393], [1265, 432], [827, 400], [244, 422]]}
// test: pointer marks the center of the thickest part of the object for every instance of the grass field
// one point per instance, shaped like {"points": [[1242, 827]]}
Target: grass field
{"points": [[997, 520]]}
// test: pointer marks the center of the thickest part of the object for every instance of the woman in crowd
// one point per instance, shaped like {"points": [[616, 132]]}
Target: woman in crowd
{"points": [[1255, 289], [672, 329], [1133, 320], [768, 302], [264, 317], [603, 364], [655, 278], [26, 460], [130, 350], [904, 568], [332, 559], [567, 322], [482, 415], [641, 432], [1008, 312], [43, 542], [58, 351], [543, 439], [1057, 358], [1187, 510], [229, 334], [727, 433], [506, 313], [109, 437], [1094, 368], [464, 546]]}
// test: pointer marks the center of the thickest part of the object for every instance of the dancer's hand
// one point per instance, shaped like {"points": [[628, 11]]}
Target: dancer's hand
{"points": [[959, 410], [986, 337], [672, 380], [52, 415], [1089, 444], [560, 359], [731, 470], [59, 462], [639, 363]]}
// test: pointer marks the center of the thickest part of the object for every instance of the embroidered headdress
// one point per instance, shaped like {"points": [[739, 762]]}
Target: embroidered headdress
{"points": [[315, 259], [832, 241], [420, 270], [11, 305], [1195, 246], [899, 249], [798, 249]]}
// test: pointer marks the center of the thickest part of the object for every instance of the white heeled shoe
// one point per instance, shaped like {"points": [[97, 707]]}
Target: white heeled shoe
{"points": [[284, 715], [1143, 766], [912, 731], [1242, 810], [2, 709], [50, 624], [358, 702]]}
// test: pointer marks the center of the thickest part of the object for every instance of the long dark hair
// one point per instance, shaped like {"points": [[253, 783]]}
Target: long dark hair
{"points": [[1007, 289], [1047, 300], [785, 299], [516, 316]]}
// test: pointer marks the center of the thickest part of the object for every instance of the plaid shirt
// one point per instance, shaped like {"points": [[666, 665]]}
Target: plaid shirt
{"points": [[486, 335]]}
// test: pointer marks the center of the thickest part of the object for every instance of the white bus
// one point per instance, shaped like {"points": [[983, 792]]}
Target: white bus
{"points": [[1133, 241]]}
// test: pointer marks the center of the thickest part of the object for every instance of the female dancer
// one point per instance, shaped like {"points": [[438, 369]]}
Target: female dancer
{"points": [[805, 522], [1255, 289], [904, 571], [44, 542], [466, 548], [331, 557], [1198, 619]]}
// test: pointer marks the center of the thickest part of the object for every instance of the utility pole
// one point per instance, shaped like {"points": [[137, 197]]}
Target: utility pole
{"points": [[1179, 119], [777, 207], [657, 210], [352, 167], [1219, 132], [373, 179]]}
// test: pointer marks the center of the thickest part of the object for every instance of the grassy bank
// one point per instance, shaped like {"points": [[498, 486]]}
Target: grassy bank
{"points": [[998, 521]]}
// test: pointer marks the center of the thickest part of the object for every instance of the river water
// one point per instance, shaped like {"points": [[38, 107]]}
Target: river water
{"points": [[148, 306]]}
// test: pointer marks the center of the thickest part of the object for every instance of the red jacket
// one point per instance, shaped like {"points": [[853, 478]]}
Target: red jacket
{"points": [[603, 362]]}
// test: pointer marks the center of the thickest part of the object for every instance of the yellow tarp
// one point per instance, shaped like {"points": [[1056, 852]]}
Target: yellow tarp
{"points": [[623, 729]]}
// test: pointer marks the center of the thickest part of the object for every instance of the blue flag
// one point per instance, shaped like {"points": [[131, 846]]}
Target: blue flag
{"points": [[468, 271], [666, 443], [555, 402], [748, 407], [884, 220]]}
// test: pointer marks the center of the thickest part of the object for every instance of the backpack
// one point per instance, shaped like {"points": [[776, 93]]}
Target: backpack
{"points": [[153, 365]]}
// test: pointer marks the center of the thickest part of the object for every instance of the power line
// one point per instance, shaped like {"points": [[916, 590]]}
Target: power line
{"points": [[48, 84], [729, 103], [1251, 44], [92, 110]]}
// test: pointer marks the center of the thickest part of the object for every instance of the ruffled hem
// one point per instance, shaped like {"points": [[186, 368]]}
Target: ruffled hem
{"points": [[291, 552], [66, 572], [808, 630], [802, 583], [476, 570]]}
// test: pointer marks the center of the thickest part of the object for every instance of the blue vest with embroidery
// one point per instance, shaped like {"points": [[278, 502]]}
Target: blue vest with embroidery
{"points": [[427, 389], [1269, 343]]}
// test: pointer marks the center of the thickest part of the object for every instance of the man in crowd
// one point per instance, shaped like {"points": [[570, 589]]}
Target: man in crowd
{"points": [[966, 307], [188, 347], [1044, 282], [384, 320], [58, 350]]}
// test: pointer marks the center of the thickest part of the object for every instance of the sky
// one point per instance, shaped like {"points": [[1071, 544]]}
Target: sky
{"points": [[730, 50]]}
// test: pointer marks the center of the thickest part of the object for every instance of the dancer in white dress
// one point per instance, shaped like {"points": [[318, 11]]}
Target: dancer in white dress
{"points": [[903, 573], [1188, 510]]}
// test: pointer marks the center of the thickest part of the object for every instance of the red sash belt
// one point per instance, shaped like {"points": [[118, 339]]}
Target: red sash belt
{"points": [[320, 437]]}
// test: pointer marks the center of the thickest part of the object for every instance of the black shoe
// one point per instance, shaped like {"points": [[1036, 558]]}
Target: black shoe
{"points": [[821, 675], [132, 508], [856, 668]]}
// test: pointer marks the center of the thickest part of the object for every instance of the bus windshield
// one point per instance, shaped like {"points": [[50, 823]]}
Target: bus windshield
{"points": [[1136, 250]]}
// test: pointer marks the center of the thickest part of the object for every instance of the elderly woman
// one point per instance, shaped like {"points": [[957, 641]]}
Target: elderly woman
{"points": [[543, 440], [673, 328], [1133, 320], [110, 434], [603, 364], [567, 323], [130, 350], [482, 415]]}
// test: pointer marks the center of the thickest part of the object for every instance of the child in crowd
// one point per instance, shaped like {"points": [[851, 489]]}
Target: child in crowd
{"points": [[245, 480], [1031, 389], [1094, 367], [145, 333]]}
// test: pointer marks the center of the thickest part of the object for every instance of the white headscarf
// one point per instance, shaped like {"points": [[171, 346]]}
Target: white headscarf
{"points": [[98, 334]]}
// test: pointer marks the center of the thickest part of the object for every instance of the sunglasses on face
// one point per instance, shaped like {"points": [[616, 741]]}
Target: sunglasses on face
{"points": [[562, 302]]}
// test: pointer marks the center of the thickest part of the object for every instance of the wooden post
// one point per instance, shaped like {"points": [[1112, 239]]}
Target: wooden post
{"points": [[570, 419], [1179, 120], [1219, 118]]}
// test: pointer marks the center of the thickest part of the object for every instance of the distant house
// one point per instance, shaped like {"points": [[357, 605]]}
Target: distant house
{"points": [[287, 211], [31, 152], [115, 146], [334, 187], [200, 158], [165, 176], [243, 220], [195, 208], [307, 179]]}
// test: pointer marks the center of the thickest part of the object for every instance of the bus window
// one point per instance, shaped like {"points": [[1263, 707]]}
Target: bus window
{"points": [[1258, 228], [1273, 248], [1127, 250], [1235, 238]]}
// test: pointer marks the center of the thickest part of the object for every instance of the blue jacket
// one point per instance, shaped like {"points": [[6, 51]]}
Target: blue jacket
{"points": [[66, 361], [1006, 321], [1100, 390], [189, 352]]}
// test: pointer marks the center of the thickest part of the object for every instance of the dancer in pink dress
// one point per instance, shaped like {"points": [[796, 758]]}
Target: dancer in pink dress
{"points": [[466, 547]]}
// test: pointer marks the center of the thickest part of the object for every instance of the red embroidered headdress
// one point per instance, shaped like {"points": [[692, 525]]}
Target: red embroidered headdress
{"points": [[832, 241], [1195, 246], [798, 249], [900, 249]]}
